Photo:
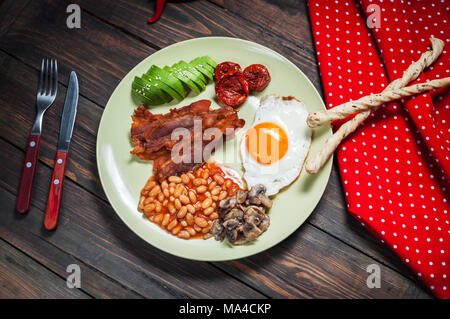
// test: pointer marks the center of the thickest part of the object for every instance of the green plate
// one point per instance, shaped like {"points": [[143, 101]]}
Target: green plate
{"points": [[123, 175]]}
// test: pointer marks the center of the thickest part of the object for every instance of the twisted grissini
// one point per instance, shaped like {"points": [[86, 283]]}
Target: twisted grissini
{"points": [[314, 164], [370, 102], [375, 100]]}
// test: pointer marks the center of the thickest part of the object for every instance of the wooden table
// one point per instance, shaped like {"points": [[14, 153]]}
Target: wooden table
{"points": [[326, 258]]}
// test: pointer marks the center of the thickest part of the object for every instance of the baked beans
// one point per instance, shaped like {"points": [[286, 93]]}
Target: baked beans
{"points": [[186, 205]]}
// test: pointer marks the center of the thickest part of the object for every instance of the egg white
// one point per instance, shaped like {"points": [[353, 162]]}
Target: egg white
{"points": [[290, 115]]}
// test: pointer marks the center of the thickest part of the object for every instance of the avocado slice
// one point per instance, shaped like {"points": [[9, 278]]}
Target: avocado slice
{"points": [[163, 86], [169, 79], [182, 76], [151, 89], [203, 62], [145, 99], [153, 99], [203, 67], [153, 93], [142, 98], [156, 88], [192, 75], [194, 71], [209, 61]]}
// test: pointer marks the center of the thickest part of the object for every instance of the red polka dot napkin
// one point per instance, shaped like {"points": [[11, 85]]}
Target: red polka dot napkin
{"points": [[395, 168]]}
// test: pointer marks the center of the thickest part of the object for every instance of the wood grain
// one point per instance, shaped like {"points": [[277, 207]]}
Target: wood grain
{"points": [[100, 54], [114, 37], [331, 216], [90, 230], [22, 277], [82, 154], [288, 19], [18, 234], [42, 24], [311, 264], [94, 234], [183, 21], [82, 166], [9, 10]]}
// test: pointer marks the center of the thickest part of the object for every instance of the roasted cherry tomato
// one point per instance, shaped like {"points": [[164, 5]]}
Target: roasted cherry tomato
{"points": [[232, 88], [225, 67], [257, 76]]}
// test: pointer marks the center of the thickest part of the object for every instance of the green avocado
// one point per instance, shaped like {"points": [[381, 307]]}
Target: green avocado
{"points": [[144, 97], [184, 77], [163, 86], [172, 81], [192, 75], [203, 67], [209, 61], [152, 89], [198, 75]]}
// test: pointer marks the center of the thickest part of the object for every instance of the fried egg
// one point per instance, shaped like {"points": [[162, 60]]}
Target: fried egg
{"points": [[274, 149]]}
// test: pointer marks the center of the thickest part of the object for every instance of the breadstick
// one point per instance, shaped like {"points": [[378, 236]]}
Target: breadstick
{"points": [[372, 101], [416, 68], [369, 102], [314, 164]]}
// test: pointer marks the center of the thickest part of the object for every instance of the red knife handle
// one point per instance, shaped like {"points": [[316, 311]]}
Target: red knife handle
{"points": [[29, 168], [54, 196]]}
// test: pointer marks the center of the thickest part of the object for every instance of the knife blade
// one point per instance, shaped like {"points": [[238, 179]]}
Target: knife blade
{"points": [[69, 114]]}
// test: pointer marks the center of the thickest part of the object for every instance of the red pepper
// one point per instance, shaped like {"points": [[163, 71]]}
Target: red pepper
{"points": [[159, 9]]}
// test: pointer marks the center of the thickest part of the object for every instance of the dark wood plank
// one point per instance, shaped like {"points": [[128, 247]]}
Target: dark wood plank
{"points": [[195, 15], [94, 235], [90, 230], [311, 264], [9, 10], [331, 215], [101, 55], [287, 19], [333, 218], [82, 151], [22, 277], [94, 282]]}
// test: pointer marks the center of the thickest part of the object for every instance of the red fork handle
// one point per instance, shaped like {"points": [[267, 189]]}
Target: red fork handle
{"points": [[29, 168], [54, 196]]}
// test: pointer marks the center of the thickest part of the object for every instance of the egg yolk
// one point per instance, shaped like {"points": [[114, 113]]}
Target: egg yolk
{"points": [[266, 143]]}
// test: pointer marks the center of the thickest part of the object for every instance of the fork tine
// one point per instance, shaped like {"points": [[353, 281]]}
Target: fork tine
{"points": [[55, 78], [50, 78], [46, 77], [41, 78]]}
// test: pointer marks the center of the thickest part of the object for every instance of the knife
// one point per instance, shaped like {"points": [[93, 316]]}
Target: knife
{"points": [[65, 135]]}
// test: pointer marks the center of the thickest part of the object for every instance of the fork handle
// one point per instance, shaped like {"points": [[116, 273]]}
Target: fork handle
{"points": [[54, 196], [29, 168]]}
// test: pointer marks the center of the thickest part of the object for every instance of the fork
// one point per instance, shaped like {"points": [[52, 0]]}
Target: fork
{"points": [[48, 87]]}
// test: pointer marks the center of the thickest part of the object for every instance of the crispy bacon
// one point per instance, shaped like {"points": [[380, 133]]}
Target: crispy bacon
{"points": [[152, 134]]}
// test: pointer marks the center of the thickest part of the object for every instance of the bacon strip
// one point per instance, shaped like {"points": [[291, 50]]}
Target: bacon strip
{"points": [[151, 134]]}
